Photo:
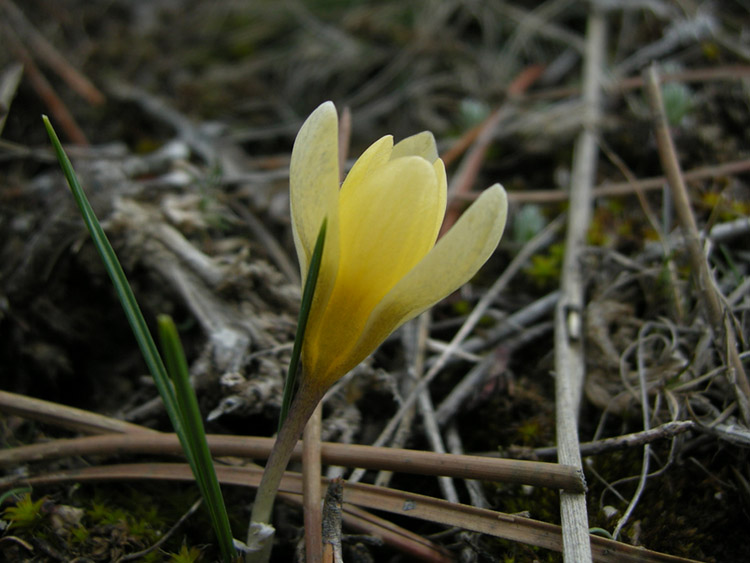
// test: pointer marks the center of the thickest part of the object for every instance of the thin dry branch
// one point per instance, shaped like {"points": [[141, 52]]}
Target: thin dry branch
{"points": [[427, 463], [718, 316], [427, 410], [311, 487], [66, 417], [665, 431], [507, 526], [412, 347], [569, 353], [348, 455], [615, 189]]}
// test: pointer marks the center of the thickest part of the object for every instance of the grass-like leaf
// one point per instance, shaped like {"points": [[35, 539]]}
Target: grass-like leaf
{"points": [[195, 433], [120, 282], [177, 402], [304, 312]]}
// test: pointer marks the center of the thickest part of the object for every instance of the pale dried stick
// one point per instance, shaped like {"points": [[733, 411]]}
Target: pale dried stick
{"points": [[415, 356], [569, 354], [466, 387], [539, 241], [646, 424], [492, 365], [427, 410], [515, 323], [614, 189], [665, 431], [476, 493], [311, 488], [269, 242], [406, 461], [64, 416], [402, 503], [716, 313]]}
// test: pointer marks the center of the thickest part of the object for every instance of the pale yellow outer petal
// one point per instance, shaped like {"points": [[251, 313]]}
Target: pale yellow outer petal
{"points": [[388, 223], [314, 183], [422, 144], [442, 181], [314, 196], [453, 261]]}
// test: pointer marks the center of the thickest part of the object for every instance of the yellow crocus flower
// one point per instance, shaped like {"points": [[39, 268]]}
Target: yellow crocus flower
{"points": [[381, 265]]}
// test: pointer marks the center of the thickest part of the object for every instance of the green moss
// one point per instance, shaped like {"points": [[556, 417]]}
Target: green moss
{"points": [[544, 269], [79, 535], [26, 514], [186, 555]]}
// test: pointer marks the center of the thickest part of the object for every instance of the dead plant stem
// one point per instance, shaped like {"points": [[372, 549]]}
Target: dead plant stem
{"points": [[707, 290], [569, 352], [311, 488], [403, 503], [394, 459]]}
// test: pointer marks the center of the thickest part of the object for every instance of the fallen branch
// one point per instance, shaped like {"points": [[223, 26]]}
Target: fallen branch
{"points": [[405, 461], [506, 526]]}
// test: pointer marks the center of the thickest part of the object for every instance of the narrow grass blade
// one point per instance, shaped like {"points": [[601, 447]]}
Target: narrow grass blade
{"points": [[195, 434], [304, 313], [179, 408], [120, 282]]}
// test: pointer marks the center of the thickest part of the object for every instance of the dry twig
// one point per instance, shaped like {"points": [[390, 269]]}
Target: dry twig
{"points": [[311, 487], [569, 354], [403, 503], [719, 318]]}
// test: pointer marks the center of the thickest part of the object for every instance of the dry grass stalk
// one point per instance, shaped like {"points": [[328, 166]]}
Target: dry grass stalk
{"points": [[507, 526], [66, 417], [718, 316], [311, 487], [393, 459], [569, 352]]}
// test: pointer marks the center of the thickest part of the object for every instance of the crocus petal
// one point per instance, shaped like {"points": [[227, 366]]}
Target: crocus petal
{"points": [[452, 262], [374, 157], [387, 220], [314, 183], [442, 191], [422, 144], [387, 225]]}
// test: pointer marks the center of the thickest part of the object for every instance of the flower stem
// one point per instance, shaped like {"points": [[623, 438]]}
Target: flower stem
{"points": [[307, 398]]}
